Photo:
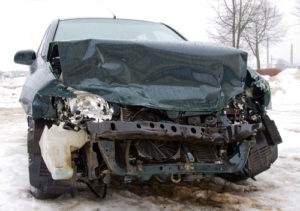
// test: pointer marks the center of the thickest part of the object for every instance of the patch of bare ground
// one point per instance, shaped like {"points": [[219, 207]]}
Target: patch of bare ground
{"points": [[296, 158], [295, 130], [269, 71], [11, 115], [4, 112], [213, 192]]}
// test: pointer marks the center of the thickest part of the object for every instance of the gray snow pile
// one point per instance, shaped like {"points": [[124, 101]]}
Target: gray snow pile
{"points": [[10, 87], [286, 90], [276, 189]]}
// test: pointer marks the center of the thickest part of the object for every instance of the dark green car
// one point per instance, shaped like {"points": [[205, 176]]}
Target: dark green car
{"points": [[114, 98]]}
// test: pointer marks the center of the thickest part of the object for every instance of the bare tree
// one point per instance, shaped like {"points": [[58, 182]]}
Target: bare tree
{"points": [[232, 18], [265, 24], [247, 22]]}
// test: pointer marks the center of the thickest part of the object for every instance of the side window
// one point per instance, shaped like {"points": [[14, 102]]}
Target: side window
{"points": [[40, 50]]}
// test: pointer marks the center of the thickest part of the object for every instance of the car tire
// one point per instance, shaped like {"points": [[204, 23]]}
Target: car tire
{"points": [[42, 186]]}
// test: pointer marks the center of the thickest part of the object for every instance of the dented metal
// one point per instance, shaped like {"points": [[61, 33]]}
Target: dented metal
{"points": [[180, 76]]}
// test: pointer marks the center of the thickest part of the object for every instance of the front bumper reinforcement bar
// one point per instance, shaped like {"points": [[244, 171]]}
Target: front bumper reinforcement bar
{"points": [[159, 131]]}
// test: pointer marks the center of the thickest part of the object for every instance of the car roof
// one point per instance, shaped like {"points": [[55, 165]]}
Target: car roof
{"points": [[105, 18]]}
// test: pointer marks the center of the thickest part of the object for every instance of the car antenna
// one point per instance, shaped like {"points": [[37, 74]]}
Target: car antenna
{"points": [[109, 10], [114, 16]]}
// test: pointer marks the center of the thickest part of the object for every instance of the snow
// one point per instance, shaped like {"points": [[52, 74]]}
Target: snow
{"points": [[285, 90], [276, 189], [10, 89]]}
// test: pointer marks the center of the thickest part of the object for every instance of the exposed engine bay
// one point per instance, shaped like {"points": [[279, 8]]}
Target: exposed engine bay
{"points": [[138, 143]]}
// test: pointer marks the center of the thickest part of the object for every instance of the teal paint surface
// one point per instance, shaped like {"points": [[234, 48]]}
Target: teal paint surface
{"points": [[177, 76]]}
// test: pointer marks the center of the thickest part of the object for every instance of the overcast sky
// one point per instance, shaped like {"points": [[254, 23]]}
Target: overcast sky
{"points": [[23, 22]]}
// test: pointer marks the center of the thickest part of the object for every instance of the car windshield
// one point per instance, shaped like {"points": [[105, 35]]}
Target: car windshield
{"points": [[79, 29]]}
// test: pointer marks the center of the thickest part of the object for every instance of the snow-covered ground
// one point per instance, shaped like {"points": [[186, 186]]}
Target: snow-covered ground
{"points": [[276, 189], [10, 88]]}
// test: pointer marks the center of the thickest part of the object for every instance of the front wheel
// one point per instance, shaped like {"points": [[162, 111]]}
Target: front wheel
{"points": [[42, 186]]}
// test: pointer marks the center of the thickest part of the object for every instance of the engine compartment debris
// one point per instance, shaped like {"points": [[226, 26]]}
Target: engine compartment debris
{"points": [[89, 105]]}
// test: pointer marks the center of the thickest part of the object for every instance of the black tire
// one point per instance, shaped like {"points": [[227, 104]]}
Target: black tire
{"points": [[260, 158], [42, 186]]}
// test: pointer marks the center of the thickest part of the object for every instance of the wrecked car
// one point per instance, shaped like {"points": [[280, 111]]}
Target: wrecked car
{"points": [[116, 98]]}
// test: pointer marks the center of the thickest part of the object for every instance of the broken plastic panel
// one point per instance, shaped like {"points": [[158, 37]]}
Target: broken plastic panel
{"points": [[56, 146]]}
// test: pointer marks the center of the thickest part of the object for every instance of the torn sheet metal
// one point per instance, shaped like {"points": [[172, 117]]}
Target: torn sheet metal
{"points": [[261, 83], [179, 76], [56, 146]]}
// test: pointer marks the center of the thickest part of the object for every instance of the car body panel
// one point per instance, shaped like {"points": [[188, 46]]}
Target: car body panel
{"points": [[160, 75], [180, 76]]}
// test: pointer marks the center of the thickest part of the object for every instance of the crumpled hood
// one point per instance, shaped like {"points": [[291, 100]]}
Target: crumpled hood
{"points": [[178, 76]]}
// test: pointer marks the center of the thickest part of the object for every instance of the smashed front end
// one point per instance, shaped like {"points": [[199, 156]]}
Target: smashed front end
{"points": [[143, 109]]}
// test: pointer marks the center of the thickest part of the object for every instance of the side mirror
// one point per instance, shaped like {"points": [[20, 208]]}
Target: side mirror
{"points": [[25, 57]]}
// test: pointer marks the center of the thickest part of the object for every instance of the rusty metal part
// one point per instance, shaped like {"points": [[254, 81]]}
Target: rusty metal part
{"points": [[95, 189], [238, 160], [159, 131], [91, 161], [194, 120], [178, 180], [126, 113], [127, 161], [203, 152]]}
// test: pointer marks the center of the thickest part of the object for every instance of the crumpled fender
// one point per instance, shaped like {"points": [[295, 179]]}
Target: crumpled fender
{"points": [[38, 90]]}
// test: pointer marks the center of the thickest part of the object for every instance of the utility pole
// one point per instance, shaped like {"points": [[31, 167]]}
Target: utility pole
{"points": [[292, 56], [272, 59], [268, 64]]}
